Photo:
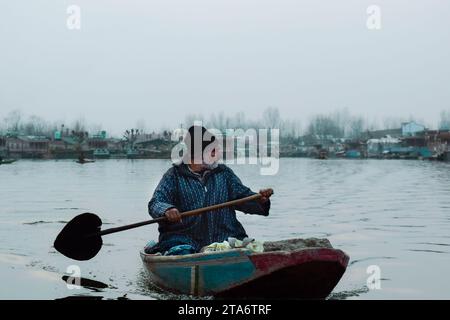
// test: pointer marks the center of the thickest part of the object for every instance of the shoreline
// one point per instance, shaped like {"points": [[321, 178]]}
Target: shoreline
{"points": [[280, 157]]}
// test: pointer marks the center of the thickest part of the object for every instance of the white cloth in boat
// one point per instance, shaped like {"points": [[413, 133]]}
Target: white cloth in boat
{"points": [[233, 243]]}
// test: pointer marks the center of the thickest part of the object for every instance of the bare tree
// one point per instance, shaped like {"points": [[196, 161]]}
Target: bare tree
{"points": [[323, 125], [290, 128], [79, 125], [36, 126], [271, 118], [444, 121], [341, 119], [13, 121], [372, 124], [141, 126], [392, 122], [190, 119], [217, 121], [239, 120], [95, 128], [356, 127]]}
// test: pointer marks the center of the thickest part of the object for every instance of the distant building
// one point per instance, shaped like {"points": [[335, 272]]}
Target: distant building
{"points": [[438, 141], [27, 146], [116, 145], [322, 140], [2, 146], [98, 141], [411, 129], [376, 147], [378, 134], [57, 135], [64, 146], [148, 137]]}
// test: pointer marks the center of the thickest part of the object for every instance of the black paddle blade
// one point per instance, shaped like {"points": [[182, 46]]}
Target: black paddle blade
{"points": [[77, 240]]}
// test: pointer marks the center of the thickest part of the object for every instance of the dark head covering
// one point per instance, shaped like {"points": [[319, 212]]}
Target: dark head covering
{"points": [[197, 139]]}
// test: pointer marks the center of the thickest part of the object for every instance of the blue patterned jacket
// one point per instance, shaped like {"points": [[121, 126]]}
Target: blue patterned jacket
{"points": [[183, 189]]}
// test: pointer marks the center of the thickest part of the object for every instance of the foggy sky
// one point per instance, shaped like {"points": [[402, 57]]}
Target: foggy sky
{"points": [[159, 60]]}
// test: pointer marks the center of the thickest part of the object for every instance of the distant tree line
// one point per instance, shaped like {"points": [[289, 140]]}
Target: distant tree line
{"points": [[339, 124], [16, 123]]}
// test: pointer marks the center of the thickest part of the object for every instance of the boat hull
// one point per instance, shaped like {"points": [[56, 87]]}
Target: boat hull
{"points": [[309, 273], [8, 161], [85, 161]]}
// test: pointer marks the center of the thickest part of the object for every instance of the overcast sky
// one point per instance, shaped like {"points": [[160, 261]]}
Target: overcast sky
{"points": [[159, 60]]}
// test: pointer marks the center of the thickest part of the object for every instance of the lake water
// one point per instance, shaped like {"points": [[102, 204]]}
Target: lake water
{"points": [[389, 213]]}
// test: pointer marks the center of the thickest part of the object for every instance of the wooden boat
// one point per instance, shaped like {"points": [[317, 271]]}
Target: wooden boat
{"points": [[296, 268], [7, 161], [84, 161]]}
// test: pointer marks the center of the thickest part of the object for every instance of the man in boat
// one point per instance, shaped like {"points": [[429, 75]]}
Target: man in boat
{"points": [[81, 157], [198, 182]]}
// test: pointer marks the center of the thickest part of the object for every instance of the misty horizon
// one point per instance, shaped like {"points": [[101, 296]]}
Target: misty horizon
{"points": [[159, 62], [341, 120]]}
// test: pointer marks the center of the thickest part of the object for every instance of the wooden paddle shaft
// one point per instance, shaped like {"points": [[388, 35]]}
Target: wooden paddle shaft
{"points": [[195, 212]]}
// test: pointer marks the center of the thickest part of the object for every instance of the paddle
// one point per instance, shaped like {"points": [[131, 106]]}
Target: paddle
{"points": [[81, 238]]}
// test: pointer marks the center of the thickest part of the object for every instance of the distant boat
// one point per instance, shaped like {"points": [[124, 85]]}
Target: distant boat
{"points": [[102, 154], [349, 154], [83, 161], [353, 154], [340, 154], [7, 161], [322, 155]]}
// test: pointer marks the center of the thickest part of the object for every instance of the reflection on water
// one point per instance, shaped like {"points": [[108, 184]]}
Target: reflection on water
{"points": [[392, 214], [83, 282]]}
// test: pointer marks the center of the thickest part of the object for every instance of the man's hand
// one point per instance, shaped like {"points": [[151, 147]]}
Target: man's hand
{"points": [[173, 215], [265, 195]]}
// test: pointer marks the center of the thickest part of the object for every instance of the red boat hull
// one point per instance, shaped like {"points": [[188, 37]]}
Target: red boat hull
{"points": [[304, 274]]}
